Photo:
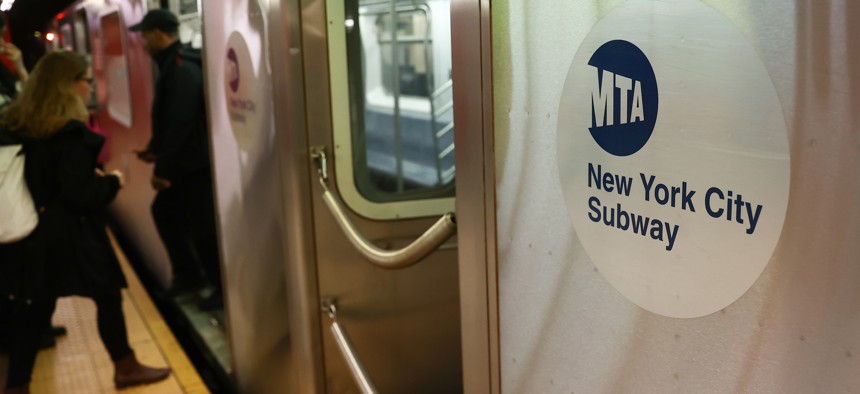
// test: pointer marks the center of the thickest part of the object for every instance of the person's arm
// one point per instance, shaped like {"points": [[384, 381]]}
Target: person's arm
{"points": [[14, 54], [148, 155]]}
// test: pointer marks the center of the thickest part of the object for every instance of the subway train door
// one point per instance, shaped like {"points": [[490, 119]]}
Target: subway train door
{"points": [[369, 187]]}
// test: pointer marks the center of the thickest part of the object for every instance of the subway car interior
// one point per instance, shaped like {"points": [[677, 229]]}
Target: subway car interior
{"points": [[459, 196]]}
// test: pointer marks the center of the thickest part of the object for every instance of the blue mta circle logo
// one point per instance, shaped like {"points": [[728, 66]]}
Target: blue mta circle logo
{"points": [[624, 98]]}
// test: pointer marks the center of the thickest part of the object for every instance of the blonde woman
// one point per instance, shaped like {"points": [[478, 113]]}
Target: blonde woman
{"points": [[70, 253]]}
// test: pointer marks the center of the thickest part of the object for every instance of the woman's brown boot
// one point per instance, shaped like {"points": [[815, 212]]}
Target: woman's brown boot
{"points": [[129, 372]]}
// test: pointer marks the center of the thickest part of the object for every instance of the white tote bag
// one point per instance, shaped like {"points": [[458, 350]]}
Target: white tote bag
{"points": [[18, 216]]}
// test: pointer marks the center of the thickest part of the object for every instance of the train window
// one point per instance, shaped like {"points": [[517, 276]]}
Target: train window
{"points": [[190, 24], [395, 145], [66, 41], [403, 49], [82, 31], [75, 38], [187, 7], [116, 68]]}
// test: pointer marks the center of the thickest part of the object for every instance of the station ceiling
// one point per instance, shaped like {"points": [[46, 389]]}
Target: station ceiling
{"points": [[32, 15], [27, 17]]}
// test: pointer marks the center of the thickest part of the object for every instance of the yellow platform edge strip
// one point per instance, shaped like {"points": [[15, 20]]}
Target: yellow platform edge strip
{"points": [[183, 370]]}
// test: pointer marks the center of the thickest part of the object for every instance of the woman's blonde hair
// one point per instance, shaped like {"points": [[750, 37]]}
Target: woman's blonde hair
{"points": [[48, 100]]}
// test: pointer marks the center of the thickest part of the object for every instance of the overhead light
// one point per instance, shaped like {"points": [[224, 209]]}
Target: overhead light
{"points": [[6, 5]]}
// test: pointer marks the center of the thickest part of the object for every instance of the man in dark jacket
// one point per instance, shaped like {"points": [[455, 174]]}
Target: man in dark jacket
{"points": [[183, 208]]}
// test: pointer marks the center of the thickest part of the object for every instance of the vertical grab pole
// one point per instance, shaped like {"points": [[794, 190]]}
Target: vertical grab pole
{"points": [[395, 86]]}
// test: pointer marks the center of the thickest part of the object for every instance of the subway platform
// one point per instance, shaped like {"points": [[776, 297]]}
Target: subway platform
{"points": [[79, 363]]}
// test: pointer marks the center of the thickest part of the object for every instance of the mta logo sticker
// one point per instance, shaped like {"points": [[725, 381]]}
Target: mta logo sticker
{"points": [[669, 210], [624, 98]]}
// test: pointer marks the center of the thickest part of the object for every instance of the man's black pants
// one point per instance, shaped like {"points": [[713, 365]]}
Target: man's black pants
{"points": [[185, 217]]}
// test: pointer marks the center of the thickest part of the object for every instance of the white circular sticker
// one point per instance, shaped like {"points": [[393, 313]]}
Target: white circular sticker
{"points": [[242, 91], [673, 156]]}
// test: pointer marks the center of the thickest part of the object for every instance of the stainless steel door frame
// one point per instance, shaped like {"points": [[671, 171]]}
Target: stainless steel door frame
{"points": [[476, 186], [288, 62]]}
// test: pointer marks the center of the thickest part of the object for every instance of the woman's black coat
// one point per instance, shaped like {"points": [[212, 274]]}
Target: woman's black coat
{"points": [[72, 244]]}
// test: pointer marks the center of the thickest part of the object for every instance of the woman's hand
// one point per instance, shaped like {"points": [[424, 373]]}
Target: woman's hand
{"points": [[160, 183], [145, 156], [117, 173]]}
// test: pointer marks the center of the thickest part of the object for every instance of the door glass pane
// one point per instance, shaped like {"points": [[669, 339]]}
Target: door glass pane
{"points": [[401, 102]]}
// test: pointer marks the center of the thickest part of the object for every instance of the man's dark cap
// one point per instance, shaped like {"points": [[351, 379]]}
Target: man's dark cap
{"points": [[160, 18]]}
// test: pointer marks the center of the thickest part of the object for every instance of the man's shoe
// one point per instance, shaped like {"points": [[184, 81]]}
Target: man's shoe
{"points": [[129, 372]]}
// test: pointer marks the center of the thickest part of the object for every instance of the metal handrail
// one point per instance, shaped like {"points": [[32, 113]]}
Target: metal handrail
{"points": [[438, 134], [445, 86], [348, 351], [443, 109], [445, 130], [447, 151], [422, 246]]}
